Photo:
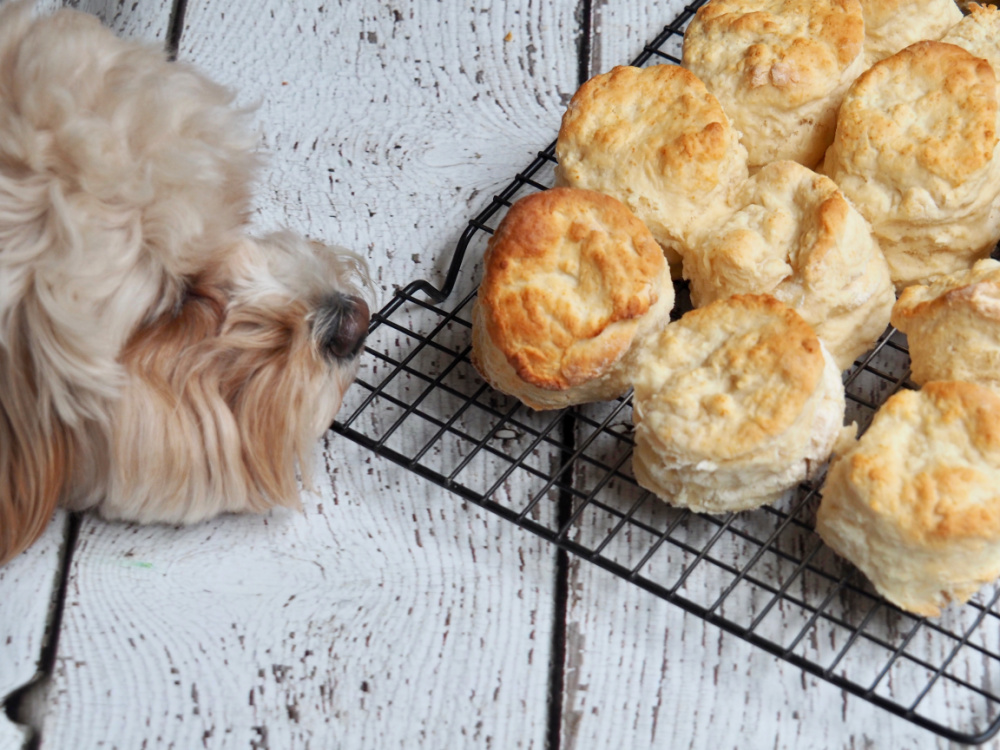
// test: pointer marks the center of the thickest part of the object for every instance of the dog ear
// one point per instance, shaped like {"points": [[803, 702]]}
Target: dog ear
{"points": [[269, 383], [34, 462], [205, 424], [175, 456]]}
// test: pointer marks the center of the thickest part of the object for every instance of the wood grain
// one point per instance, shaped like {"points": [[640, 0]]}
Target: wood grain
{"points": [[320, 629], [148, 20], [387, 128], [28, 587], [388, 614]]}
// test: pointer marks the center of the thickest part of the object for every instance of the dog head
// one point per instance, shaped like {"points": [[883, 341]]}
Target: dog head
{"points": [[155, 362], [235, 386], [221, 399]]}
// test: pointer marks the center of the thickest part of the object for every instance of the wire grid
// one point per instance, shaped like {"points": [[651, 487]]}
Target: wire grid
{"points": [[566, 476]]}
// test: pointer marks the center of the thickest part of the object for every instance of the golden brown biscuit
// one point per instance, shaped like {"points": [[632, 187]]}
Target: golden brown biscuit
{"points": [[891, 25], [734, 404], [572, 282], [659, 142], [794, 236], [915, 503], [916, 152], [952, 326], [779, 68], [979, 33]]}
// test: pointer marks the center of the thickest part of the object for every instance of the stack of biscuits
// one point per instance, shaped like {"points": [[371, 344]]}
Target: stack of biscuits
{"points": [[807, 162]]}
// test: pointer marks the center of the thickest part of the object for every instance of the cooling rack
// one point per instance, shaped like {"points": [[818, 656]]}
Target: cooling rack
{"points": [[764, 576]]}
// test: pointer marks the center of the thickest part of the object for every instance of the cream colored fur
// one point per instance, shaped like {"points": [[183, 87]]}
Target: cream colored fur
{"points": [[156, 362]]}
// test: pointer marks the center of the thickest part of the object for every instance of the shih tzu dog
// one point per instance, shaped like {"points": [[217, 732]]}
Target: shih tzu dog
{"points": [[157, 363]]}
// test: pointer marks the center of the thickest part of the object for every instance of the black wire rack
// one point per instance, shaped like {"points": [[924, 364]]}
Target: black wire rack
{"points": [[764, 575]]}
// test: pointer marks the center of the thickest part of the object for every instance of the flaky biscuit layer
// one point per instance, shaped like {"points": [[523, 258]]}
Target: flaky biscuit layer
{"points": [[915, 503], [916, 153], [571, 279], [891, 25], [952, 326], [979, 33], [794, 236], [734, 404], [779, 68], [658, 141]]}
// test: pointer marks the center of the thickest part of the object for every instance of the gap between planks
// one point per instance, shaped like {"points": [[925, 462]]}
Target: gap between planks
{"points": [[558, 666], [15, 702]]}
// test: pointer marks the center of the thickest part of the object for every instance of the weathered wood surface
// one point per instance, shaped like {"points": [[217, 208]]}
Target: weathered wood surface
{"points": [[28, 589], [389, 613], [148, 21]]}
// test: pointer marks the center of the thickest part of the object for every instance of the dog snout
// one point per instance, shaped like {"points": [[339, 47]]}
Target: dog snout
{"points": [[342, 325]]}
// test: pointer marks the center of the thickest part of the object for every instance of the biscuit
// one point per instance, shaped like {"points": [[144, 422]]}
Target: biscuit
{"points": [[659, 142], [979, 33], [952, 326], [794, 236], [779, 68], [891, 25], [572, 282], [916, 153], [915, 503], [734, 404]]}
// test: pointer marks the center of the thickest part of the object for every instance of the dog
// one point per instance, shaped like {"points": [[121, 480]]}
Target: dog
{"points": [[157, 362]]}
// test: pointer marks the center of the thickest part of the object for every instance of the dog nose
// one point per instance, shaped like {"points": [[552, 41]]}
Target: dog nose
{"points": [[342, 324]]}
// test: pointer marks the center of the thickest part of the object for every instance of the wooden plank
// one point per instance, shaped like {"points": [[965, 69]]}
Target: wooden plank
{"points": [[640, 672], [148, 21], [28, 587], [326, 627], [388, 613], [29, 583]]}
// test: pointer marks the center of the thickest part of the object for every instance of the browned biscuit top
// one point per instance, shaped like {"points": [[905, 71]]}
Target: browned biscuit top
{"points": [[878, 12], [660, 120], [728, 377], [566, 273], [931, 107], [929, 462], [789, 48], [974, 291]]}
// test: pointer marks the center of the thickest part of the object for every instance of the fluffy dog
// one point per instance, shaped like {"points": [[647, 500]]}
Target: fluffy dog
{"points": [[156, 362]]}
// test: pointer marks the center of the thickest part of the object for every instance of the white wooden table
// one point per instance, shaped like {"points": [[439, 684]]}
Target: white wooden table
{"points": [[389, 613]]}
